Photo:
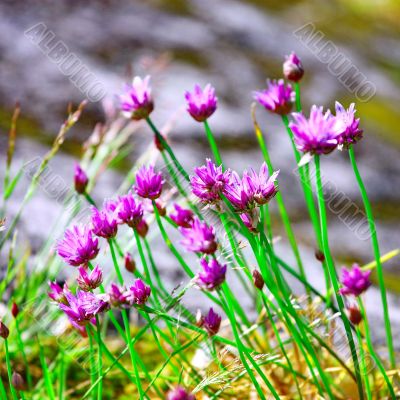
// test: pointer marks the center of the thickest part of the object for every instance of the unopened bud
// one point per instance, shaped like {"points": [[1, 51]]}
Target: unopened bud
{"points": [[4, 332], [319, 255], [258, 280], [142, 228], [18, 381], [158, 143], [293, 68], [80, 179], [199, 319], [14, 310], [130, 264], [354, 315]]}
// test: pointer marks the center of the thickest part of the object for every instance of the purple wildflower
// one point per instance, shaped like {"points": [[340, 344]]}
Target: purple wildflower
{"points": [[201, 104], [78, 246], [118, 296], [138, 293], [355, 281], [88, 282], [347, 124], [212, 275], [136, 101], [199, 238], [148, 183], [316, 135], [209, 181], [57, 293], [80, 179], [82, 308], [182, 217], [129, 211], [212, 322], [179, 393], [277, 98], [104, 223], [251, 220], [293, 68]]}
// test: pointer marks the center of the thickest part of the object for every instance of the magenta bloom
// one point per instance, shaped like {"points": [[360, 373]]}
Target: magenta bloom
{"points": [[129, 211], [199, 238], [355, 281], [148, 183], [136, 101], [212, 322], [82, 308], [138, 293], [347, 124], [293, 68], [316, 135], [179, 393], [80, 179], [212, 275], [182, 217], [118, 296], [78, 246], [209, 181], [57, 293], [104, 224], [201, 104], [251, 220], [89, 281], [277, 98]]}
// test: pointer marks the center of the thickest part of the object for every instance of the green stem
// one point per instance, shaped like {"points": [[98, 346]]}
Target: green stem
{"points": [[333, 275], [379, 269], [23, 353], [9, 373], [364, 370], [213, 143], [100, 361], [298, 98], [92, 360]]}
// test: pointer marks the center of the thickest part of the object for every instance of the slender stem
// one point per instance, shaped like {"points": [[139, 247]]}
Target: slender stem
{"points": [[100, 360], [333, 275], [92, 360], [213, 143], [9, 373], [298, 98], [22, 350], [375, 246], [61, 375], [364, 370]]}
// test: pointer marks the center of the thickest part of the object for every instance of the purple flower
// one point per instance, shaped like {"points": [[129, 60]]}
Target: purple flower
{"points": [[277, 98], [82, 308], [136, 101], [138, 293], [148, 183], [355, 281], [212, 275], [293, 68], [201, 104], [212, 322], [209, 181], [129, 211], [78, 246], [251, 220], [104, 223], [347, 124], [88, 282], [57, 293], [199, 238], [179, 393], [182, 217], [316, 135], [80, 179], [118, 296]]}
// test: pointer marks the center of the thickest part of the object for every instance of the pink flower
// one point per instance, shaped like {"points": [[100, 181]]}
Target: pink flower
{"points": [[277, 98], [199, 238], [201, 104], [89, 281]]}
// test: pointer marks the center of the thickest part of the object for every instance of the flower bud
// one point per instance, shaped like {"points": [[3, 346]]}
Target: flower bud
{"points": [[142, 228], [258, 280], [158, 143], [14, 310], [199, 318], [293, 68], [80, 179], [354, 315], [18, 381], [319, 255], [130, 264], [4, 332]]}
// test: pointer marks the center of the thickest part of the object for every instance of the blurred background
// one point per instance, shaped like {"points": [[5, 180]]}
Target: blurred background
{"points": [[235, 45]]}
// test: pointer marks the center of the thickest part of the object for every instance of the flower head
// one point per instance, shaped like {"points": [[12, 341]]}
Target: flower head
{"points": [[293, 68], [138, 293], [209, 181], [89, 281], [129, 211], [212, 322], [347, 124], [201, 104], [182, 217], [80, 179], [355, 281], [118, 296], [136, 101], [78, 246], [57, 293], [277, 98], [104, 223], [317, 134], [148, 183], [212, 275], [199, 237], [179, 393]]}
